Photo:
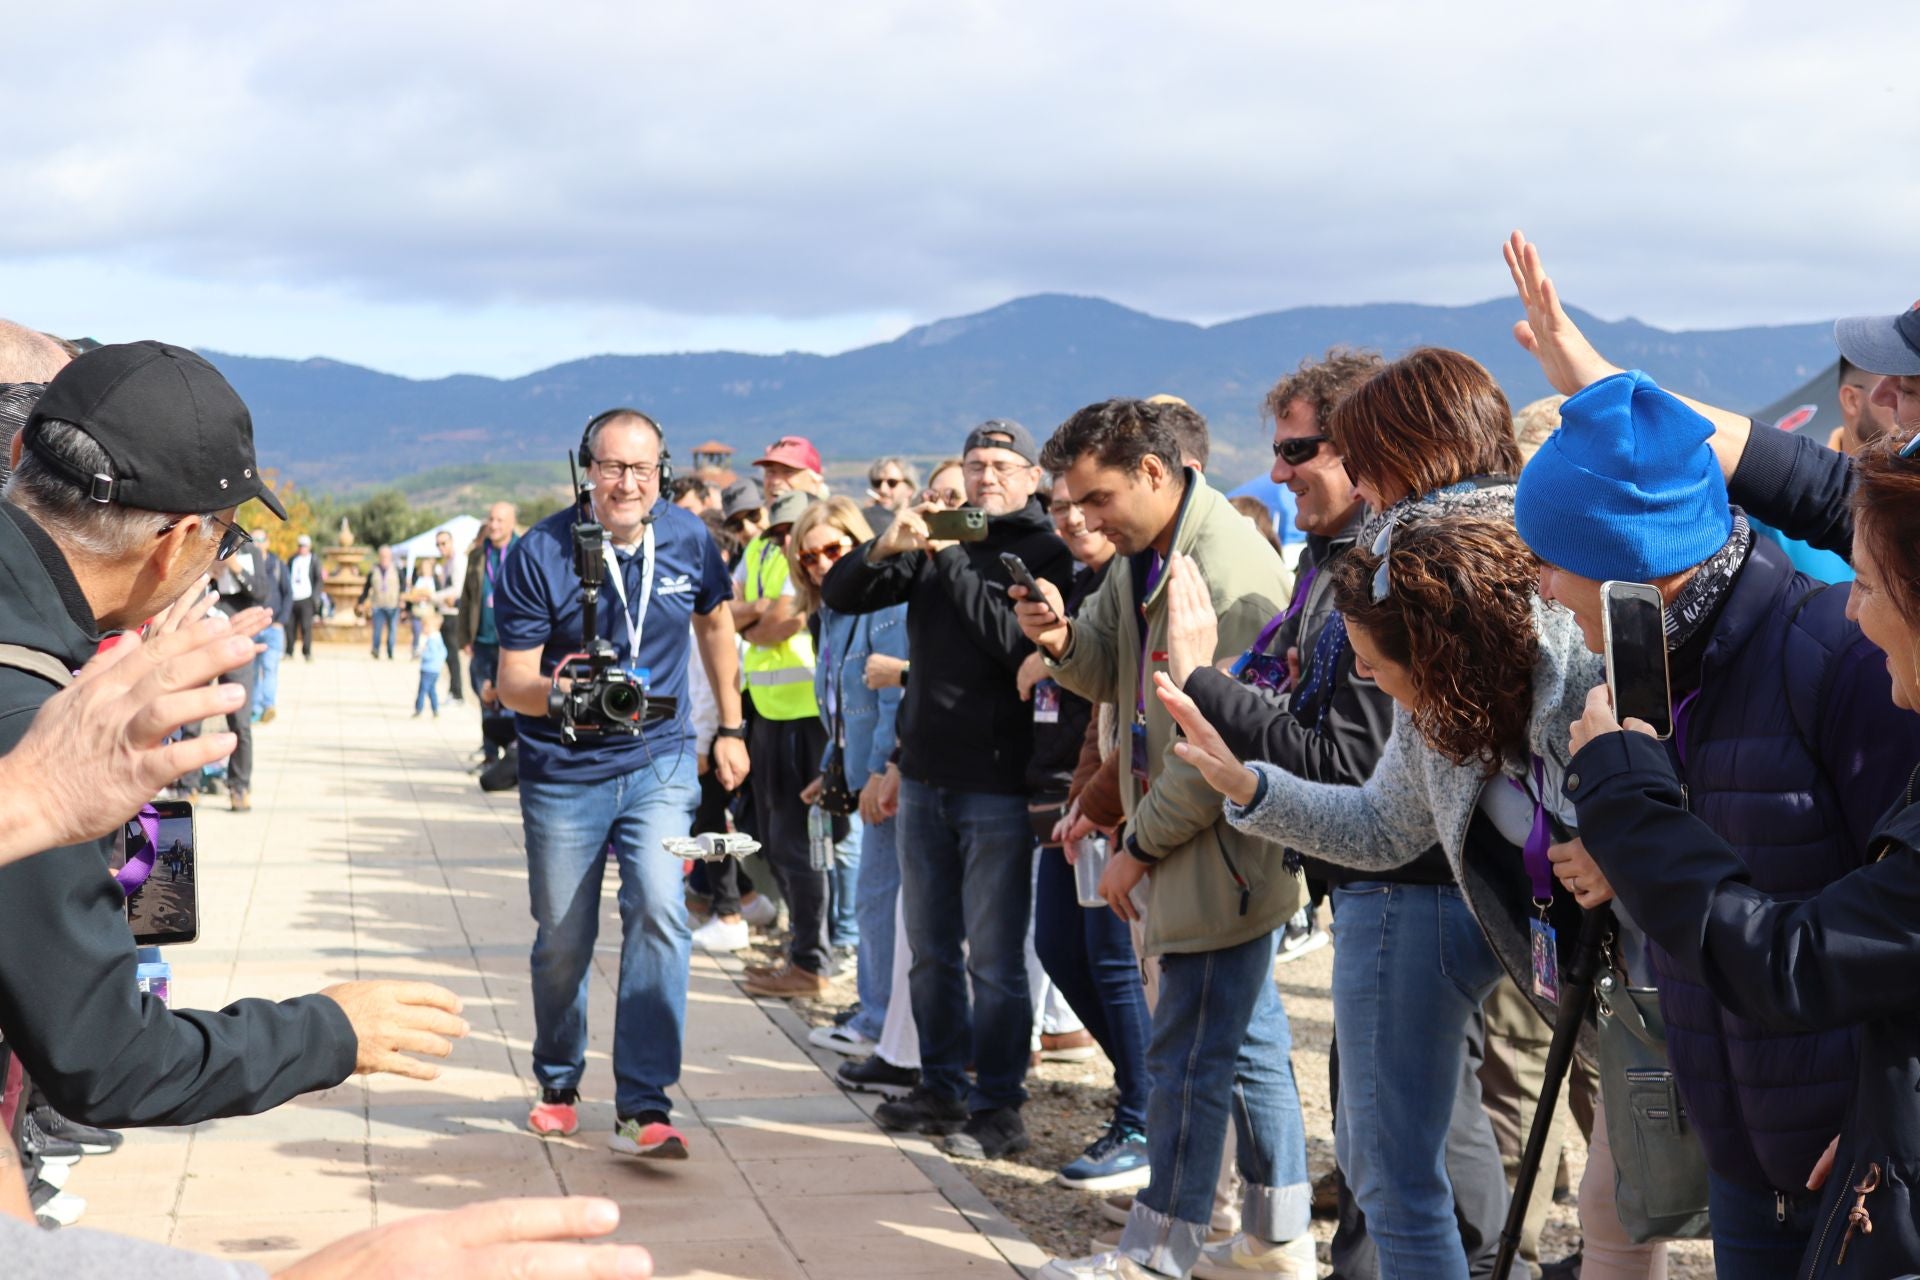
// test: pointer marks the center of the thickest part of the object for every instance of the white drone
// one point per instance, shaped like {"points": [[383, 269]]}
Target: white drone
{"points": [[711, 846]]}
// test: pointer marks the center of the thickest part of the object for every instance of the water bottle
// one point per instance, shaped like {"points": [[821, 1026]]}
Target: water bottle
{"points": [[819, 839], [1089, 864]]}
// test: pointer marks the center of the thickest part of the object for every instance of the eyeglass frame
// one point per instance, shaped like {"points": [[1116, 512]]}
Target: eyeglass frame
{"points": [[1280, 448], [978, 468], [232, 536], [837, 550], [642, 471]]}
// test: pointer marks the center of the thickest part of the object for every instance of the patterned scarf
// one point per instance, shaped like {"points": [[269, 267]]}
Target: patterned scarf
{"points": [[1709, 585]]}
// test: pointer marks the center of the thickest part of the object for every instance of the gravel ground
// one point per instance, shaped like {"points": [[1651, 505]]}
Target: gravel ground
{"points": [[1071, 1103]]}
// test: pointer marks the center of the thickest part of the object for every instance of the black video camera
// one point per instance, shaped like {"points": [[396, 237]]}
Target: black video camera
{"points": [[601, 696]]}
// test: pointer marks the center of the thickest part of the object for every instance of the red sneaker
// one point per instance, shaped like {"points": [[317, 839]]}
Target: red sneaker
{"points": [[654, 1140], [554, 1119]]}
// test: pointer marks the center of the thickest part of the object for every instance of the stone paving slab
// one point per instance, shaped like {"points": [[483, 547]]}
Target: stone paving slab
{"points": [[371, 853]]}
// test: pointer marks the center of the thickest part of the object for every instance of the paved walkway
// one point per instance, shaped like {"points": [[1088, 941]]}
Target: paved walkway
{"points": [[372, 854]]}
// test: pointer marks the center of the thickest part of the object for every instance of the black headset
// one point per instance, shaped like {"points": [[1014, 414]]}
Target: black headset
{"points": [[666, 455]]}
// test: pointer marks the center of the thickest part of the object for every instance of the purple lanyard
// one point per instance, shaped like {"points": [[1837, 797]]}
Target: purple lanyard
{"points": [[1278, 621], [1157, 568], [1540, 839], [1681, 715]]}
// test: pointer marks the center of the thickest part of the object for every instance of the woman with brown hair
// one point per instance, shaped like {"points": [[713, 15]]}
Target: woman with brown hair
{"points": [[1441, 611], [1432, 419]]}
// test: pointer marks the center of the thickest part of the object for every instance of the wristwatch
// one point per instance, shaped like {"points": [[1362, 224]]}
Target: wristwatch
{"points": [[731, 731]]}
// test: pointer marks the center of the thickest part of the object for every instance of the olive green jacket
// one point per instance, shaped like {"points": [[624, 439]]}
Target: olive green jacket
{"points": [[1214, 887]]}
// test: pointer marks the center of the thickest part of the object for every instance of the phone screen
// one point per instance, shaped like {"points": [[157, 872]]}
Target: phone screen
{"points": [[163, 907], [1636, 635]]}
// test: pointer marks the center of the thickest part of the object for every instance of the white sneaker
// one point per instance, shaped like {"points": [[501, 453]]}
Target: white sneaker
{"points": [[1244, 1256], [55, 1175], [65, 1209], [842, 1040], [1101, 1266], [760, 913], [722, 935]]}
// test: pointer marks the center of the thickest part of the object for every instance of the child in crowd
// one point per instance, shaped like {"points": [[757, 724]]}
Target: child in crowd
{"points": [[433, 658]]}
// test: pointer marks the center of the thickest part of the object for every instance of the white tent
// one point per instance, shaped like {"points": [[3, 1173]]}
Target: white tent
{"points": [[421, 547]]}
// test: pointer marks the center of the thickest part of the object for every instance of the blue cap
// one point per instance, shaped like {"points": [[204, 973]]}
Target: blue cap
{"points": [[1886, 345], [1627, 488]]}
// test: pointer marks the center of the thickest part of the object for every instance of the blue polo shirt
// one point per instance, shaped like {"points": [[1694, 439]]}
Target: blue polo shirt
{"points": [[537, 606]]}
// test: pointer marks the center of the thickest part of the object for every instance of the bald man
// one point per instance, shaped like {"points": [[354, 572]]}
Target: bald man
{"points": [[484, 562]]}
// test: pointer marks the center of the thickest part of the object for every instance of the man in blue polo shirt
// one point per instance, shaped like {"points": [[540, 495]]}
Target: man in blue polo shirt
{"points": [[663, 573]]}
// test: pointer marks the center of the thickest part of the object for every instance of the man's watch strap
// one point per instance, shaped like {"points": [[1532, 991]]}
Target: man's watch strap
{"points": [[1132, 846], [731, 731]]}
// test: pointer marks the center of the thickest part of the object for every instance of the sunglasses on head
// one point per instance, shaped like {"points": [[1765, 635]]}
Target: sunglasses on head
{"points": [[827, 555], [1383, 550], [1295, 450]]}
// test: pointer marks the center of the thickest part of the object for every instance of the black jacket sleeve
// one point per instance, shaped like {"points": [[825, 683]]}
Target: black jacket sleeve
{"points": [[984, 608], [108, 1055], [1799, 487], [857, 585], [1343, 750], [1842, 957]]}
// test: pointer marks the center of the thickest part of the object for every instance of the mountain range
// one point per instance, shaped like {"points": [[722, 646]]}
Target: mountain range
{"points": [[330, 425]]}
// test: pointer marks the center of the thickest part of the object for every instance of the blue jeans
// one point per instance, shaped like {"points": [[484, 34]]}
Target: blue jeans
{"points": [[970, 851], [878, 890], [1410, 970], [843, 921], [1221, 1045], [266, 667], [1750, 1242], [429, 692], [568, 827], [384, 620], [1088, 952]]}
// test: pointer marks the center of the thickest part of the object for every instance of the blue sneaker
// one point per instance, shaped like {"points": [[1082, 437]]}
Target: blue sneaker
{"points": [[1117, 1161]]}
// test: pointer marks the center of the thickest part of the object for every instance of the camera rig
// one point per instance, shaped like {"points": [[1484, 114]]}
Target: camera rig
{"points": [[592, 693]]}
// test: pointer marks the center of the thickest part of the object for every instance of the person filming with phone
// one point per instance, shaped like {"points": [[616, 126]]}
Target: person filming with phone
{"points": [[125, 482], [965, 738]]}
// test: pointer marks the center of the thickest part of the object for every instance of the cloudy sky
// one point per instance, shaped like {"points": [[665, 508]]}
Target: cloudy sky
{"points": [[487, 187]]}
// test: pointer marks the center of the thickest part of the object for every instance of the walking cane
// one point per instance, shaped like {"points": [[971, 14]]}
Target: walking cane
{"points": [[1576, 995]]}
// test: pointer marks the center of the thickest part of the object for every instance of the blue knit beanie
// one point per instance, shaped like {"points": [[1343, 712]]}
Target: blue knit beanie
{"points": [[1627, 488]]}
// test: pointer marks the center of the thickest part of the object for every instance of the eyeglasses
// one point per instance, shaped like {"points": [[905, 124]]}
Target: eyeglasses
{"points": [[1295, 450], [1383, 550], [616, 472], [945, 497], [827, 554], [1003, 468], [232, 536], [893, 482]]}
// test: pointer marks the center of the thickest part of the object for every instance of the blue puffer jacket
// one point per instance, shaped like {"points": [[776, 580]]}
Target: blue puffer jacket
{"points": [[869, 715], [1792, 751]]}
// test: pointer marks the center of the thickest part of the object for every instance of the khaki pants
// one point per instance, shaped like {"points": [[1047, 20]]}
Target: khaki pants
{"points": [[1607, 1253], [1510, 1080]]}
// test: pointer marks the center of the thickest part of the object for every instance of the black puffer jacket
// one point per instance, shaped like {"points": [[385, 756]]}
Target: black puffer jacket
{"points": [[962, 724]]}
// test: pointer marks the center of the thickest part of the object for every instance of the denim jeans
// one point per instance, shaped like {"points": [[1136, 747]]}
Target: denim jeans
{"points": [[843, 919], [429, 692], [971, 851], [266, 668], [1221, 1045], [1750, 1240], [879, 891], [384, 620], [1410, 969], [1088, 952], [568, 828]]}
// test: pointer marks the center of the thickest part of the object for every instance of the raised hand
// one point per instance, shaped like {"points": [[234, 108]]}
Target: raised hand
{"points": [[1193, 631], [1042, 619], [1204, 749], [1549, 333]]}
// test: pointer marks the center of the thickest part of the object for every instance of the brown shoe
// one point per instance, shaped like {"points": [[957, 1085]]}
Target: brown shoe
{"points": [[788, 983], [1074, 1046], [266, 717], [763, 970], [241, 801]]}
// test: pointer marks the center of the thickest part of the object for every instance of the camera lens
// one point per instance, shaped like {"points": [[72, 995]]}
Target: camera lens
{"points": [[621, 701]]}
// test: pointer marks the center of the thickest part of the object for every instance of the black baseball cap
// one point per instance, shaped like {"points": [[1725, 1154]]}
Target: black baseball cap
{"points": [[1002, 433], [1886, 345], [178, 436]]}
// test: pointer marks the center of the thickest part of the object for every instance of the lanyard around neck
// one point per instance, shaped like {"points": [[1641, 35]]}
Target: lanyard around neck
{"points": [[637, 619]]}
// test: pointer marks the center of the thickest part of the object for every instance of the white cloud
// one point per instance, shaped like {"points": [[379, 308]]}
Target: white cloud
{"points": [[410, 184]]}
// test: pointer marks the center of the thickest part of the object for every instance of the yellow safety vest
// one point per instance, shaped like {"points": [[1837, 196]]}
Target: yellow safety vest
{"points": [[779, 676]]}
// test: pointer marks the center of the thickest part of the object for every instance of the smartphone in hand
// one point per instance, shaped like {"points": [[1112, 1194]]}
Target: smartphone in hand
{"points": [[1022, 576], [163, 907], [1634, 624], [965, 524]]}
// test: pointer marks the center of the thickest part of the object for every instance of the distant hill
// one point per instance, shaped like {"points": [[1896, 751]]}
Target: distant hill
{"points": [[333, 425]]}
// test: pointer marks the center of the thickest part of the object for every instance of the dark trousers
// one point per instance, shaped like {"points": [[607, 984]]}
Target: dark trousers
{"points": [[1088, 953], [484, 669], [1473, 1167], [786, 755], [724, 881], [450, 633], [301, 625], [240, 724]]}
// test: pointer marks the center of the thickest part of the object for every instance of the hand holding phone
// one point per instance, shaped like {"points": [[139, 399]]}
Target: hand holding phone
{"points": [[1634, 624], [966, 524]]}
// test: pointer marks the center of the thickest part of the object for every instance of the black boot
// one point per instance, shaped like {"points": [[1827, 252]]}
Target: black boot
{"points": [[922, 1112], [989, 1135]]}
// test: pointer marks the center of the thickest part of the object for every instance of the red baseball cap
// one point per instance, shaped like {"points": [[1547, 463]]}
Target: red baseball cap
{"points": [[792, 451]]}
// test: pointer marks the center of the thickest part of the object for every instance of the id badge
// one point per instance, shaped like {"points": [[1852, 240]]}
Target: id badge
{"points": [[1140, 749], [1046, 703], [1546, 960]]}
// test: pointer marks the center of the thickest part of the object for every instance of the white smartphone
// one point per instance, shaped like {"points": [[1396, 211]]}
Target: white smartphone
{"points": [[1634, 622]]}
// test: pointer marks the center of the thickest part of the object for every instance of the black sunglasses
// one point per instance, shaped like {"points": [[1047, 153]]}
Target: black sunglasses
{"points": [[232, 537], [1383, 550], [1295, 450]]}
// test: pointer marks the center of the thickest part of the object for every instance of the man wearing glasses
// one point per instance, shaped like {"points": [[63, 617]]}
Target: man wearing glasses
{"points": [[666, 589], [126, 477]]}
